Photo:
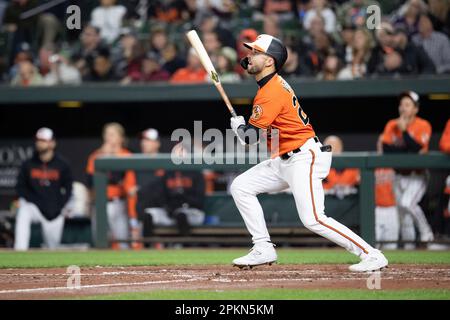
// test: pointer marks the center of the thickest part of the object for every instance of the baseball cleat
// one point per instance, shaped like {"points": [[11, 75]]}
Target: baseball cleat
{"points": [[261, 254], [374, 261]]}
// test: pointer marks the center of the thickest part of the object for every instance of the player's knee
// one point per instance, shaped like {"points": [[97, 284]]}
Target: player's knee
{"points": [[238, 187], [311, 224]]}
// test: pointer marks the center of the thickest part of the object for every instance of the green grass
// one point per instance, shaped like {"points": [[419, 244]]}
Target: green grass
{"points": [[46, 259], [281, 294]]}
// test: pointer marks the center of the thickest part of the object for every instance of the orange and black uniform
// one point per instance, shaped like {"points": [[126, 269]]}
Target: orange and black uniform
{"points": [[384, 187], [119, 183], [184, 188], [347, 177], [46, 184], [414, 139], [277, 110], [444, 146]]}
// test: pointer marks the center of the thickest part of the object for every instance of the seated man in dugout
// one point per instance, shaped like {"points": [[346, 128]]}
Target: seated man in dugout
{"points": [[340, 182]]}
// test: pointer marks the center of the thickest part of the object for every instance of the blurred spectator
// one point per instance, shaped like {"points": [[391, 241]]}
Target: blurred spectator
{"points": [[192, 73], [3, 5], [317, 27], [28, 75], [168, 11], [103, 69], [158, 40], [223, 9], [361, 48], [415, 59], [44, 186], [395, 55], [435, 44], [108, 17], [408, 16], [126, 57], [440, 15], [387, 225], [409, 134], [151, 70], [320, 8], [295, 65], [212, 45], [354, 12], [172, 61], [24, 54], [340, 183], [23, 30], [90, 45], [271, 26], [383, 57], [226, 61], [331, 68], [121, 190], [209, 22], [284, 9], [347, 37], [61, 71], [322, 48]]}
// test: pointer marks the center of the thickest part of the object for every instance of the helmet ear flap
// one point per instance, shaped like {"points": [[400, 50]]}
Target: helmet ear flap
{"points": [[244, 63]]}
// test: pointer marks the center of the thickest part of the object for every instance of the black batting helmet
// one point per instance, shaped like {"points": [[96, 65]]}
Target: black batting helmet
{"points": [[271, 46]]}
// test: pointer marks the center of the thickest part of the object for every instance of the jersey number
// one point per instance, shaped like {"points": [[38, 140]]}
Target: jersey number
{"points": [[302, 115]]}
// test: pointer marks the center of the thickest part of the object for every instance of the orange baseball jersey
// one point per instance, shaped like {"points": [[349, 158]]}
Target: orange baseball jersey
{"points": [[419, 129], [118, 186], [384, 187], [444, 143], [277, 107], [348, 177]]}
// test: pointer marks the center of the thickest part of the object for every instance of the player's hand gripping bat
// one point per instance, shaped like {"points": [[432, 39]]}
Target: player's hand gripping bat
{"points": [[207, 64]]}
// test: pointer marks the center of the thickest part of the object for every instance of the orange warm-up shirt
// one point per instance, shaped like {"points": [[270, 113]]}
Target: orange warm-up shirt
{"points": [[185, 75], [419, 129], [384, 187], [348, 177], [444, 143], [277, 107], [121, 188]]}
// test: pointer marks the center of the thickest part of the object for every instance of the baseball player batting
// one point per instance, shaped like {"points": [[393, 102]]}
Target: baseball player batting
{"points": [[301, 163]]}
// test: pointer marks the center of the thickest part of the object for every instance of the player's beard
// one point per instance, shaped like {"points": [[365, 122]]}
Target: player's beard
{"points": [[253, 69]]}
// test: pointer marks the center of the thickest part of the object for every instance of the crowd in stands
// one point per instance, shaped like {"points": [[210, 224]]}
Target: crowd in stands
{"points": [[143, 41]]}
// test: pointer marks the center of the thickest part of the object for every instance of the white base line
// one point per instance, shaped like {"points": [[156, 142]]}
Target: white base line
{"points": [[96, 286]]}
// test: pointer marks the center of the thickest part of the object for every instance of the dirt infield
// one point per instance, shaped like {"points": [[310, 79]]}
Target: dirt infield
{"points": [[51, 283]]}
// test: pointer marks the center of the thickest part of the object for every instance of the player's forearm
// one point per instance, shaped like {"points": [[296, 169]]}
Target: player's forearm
{"points": [[411, 144], [248, 133]]}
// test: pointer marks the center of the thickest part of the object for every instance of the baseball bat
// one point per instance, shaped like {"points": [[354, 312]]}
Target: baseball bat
{"points": [[207, 64]]}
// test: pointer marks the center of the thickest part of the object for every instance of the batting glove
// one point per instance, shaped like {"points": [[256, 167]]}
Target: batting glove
{"points": [[236, 122]]}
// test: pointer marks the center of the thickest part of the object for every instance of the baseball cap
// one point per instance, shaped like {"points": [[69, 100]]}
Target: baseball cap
{"points": [[412, 95], [45, 134], [150, 134], [250, 34]]}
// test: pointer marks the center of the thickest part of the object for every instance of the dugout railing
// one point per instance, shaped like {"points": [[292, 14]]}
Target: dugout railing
{"points": [[366, 162]]}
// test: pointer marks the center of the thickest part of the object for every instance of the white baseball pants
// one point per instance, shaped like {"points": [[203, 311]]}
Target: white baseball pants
{"points": [[387, 226], [118, 221], [29, 213], [409, 190], [303, 173]]}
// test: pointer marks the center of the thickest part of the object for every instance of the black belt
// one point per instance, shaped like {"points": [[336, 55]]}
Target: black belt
{"points": [[289, 154]]}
